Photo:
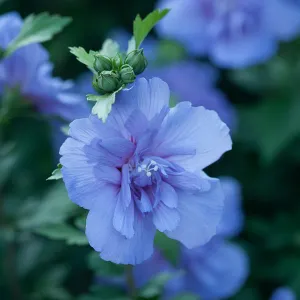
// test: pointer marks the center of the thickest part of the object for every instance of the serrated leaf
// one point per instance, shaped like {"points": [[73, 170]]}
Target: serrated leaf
{"points": [[56, 174], [141, 28], [156, 285], [110, 48], [103, 105], [67, 233], [84, 57], [36, 29]]}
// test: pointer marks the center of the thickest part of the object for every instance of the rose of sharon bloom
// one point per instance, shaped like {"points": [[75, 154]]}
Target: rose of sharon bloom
{"points": [[283, 293], [29, 70], [233, 33], [141, 171]]}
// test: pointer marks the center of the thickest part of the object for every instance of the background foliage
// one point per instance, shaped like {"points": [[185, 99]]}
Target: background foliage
{"points": [[265, 159]]}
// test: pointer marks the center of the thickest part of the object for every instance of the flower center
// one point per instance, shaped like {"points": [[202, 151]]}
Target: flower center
{"points": [[148, 168]]}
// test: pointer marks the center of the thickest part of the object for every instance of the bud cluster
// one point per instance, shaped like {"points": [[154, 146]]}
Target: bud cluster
{"points": [[113, 73]]}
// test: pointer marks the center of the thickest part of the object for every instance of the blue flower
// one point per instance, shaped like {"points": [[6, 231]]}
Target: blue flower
{"points": [[141, 171], [195, 82], [283, 293], [29, 70], [233, 34]]}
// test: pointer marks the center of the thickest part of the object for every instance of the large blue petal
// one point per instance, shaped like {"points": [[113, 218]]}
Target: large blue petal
{"points": [[85, 179], [148, 96], [111, 244], [192, 137], [200, 214]]}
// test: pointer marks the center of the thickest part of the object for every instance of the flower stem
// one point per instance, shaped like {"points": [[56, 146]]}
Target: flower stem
{"points": [[130, 282]]}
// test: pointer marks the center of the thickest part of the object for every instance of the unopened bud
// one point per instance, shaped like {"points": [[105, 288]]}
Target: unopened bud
{"points": [[117, 62], [137, 61], [108, 82], [102, 63], [127, 74]]}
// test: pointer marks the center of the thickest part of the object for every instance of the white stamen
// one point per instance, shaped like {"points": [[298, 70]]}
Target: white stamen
{"points": [[152, 162], [144, 166], [139, 169], [155, 168], [148, 174]]}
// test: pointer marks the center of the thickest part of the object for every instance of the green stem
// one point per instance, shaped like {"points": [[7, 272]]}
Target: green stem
{"points": [[130, 282]]}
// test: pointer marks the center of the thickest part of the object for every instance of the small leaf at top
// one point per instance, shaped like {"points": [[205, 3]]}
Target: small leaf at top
{"points": [[110, 48], [36, 29], [84, 57], [141, 28]]}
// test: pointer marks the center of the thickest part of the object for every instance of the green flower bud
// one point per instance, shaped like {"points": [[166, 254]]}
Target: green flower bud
{"points": [[102, 63], [108, 82], [117, 62], [137, 61], [127, 74]]}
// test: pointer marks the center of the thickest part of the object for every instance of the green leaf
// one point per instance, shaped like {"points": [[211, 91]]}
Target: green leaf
{"points": [[54, 208], [103, 105], [156, 285], [67, 233], [141, 28], [56, 174], [110, 48], [84, 57], [36, 29]]}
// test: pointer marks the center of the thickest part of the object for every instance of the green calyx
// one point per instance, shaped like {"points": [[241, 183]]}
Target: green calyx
{"points": [[107, 82], [102, 63], [137, 61], [117, 62]]}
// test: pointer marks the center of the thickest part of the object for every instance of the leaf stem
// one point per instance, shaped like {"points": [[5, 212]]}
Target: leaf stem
{"points": [[130, 282]]}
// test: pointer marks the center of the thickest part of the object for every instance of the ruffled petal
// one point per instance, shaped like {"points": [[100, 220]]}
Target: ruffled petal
{"points": [[200, 214], [148, 96], [111, 244], [85, 180], [192, 137]]}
